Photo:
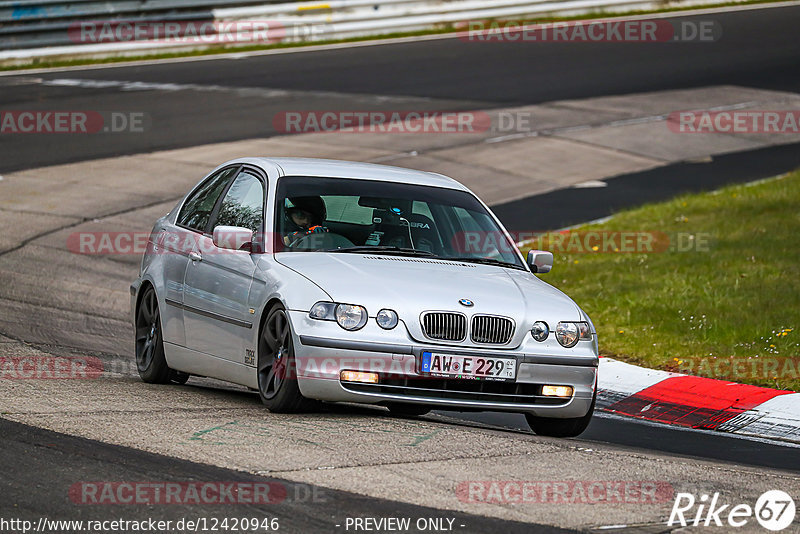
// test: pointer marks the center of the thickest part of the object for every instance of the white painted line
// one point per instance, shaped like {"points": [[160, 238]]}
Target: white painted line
{"points": [[765, 180], [236, 55], [731, 107], [613, 124], [511, 137], [637, 120], [125, 85], [590, 184], [263, 92], [568, 129], [375, 42], [658, 118]]}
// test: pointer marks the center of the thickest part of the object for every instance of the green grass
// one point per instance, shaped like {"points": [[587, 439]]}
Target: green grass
{"points": [[39, 63], [692, 311]]}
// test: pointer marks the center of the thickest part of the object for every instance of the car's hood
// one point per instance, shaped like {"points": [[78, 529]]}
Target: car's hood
{"points": [[411, 285]]}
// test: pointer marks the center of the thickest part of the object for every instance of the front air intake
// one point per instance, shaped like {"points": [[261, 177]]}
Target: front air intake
{"points": [[492, 329], [445, 326]]}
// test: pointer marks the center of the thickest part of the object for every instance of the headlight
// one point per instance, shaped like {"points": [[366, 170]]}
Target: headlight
{"points": [[540, 330], [387, 319], [350, 316], [323, 311], [569, 333]]}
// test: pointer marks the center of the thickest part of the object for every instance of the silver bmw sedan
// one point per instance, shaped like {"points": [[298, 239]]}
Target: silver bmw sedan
{"points": [[317, 280]]}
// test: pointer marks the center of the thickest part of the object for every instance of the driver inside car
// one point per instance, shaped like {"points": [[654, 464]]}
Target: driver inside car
{"points": [[303, 216]]}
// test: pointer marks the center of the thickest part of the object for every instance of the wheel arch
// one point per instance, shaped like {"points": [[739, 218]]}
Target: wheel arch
{"points": [[142, 290], [265, 310]]}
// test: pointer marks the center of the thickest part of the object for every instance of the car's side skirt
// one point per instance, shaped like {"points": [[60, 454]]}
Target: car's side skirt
{"points": [[202, 364]]}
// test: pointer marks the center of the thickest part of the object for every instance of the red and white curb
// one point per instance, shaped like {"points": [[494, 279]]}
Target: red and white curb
{"points": [[697, 402]]}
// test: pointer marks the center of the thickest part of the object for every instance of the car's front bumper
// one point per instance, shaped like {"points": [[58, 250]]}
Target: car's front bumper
{"points": [[321, 358]]}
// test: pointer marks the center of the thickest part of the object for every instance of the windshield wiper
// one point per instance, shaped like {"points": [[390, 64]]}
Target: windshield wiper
{"points": [[377, 249], [485, 261]]}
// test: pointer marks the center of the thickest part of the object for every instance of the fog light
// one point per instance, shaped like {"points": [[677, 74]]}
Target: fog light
{"points": [[360, 376], [557, 391]]}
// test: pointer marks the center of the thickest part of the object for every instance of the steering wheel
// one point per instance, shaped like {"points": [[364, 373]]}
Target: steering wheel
{"points": [[321, 241]]}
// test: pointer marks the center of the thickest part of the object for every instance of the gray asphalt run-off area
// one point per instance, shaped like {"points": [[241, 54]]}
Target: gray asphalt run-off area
{"points": [[72, 304], [58, 303]]}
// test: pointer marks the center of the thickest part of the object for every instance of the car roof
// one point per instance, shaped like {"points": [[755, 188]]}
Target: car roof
{"points": [[357, 170]]}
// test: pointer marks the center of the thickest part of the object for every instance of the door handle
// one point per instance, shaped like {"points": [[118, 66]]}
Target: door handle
{"points": [[195, 256]]}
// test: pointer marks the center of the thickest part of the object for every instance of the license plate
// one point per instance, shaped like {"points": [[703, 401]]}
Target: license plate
{"points": [[468, 367]]}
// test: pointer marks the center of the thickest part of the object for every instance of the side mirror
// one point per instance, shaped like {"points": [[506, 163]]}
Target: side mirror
{"points": [[540, 261], [233, 238]]}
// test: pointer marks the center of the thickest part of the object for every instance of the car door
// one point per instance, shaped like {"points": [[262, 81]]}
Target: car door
{"points": [[176, 241], [217, 315]]}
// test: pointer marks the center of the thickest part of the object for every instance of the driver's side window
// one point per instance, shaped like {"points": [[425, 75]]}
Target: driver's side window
{"points": [[243, 204], [196, 211]]}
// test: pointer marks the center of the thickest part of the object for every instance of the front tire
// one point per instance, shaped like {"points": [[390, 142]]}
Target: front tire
{"points": [[561, 428], [277, 367]]}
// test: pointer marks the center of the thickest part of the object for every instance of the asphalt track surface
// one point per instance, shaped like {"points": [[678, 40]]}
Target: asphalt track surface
{"points": [[636, 435], [757, 48], [450, 74], [30, 451], [567, 207]]}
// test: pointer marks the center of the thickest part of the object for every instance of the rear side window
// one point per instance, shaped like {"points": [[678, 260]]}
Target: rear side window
{"points": [[196, 211]]}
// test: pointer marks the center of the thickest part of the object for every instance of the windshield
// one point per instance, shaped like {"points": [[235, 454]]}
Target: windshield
{"points": [[361, 216]]}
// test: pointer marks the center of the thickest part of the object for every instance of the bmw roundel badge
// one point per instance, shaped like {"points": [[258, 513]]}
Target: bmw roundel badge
{"points": [[466, 302]]}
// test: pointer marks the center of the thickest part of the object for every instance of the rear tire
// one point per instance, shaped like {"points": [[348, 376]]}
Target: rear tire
{"points": [[150, 360], [178, 377], [561, 428], [407, 410], [277, 368]]}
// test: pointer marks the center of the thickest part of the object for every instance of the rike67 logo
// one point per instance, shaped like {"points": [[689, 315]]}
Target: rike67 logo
{"points": [[774, 510]]}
